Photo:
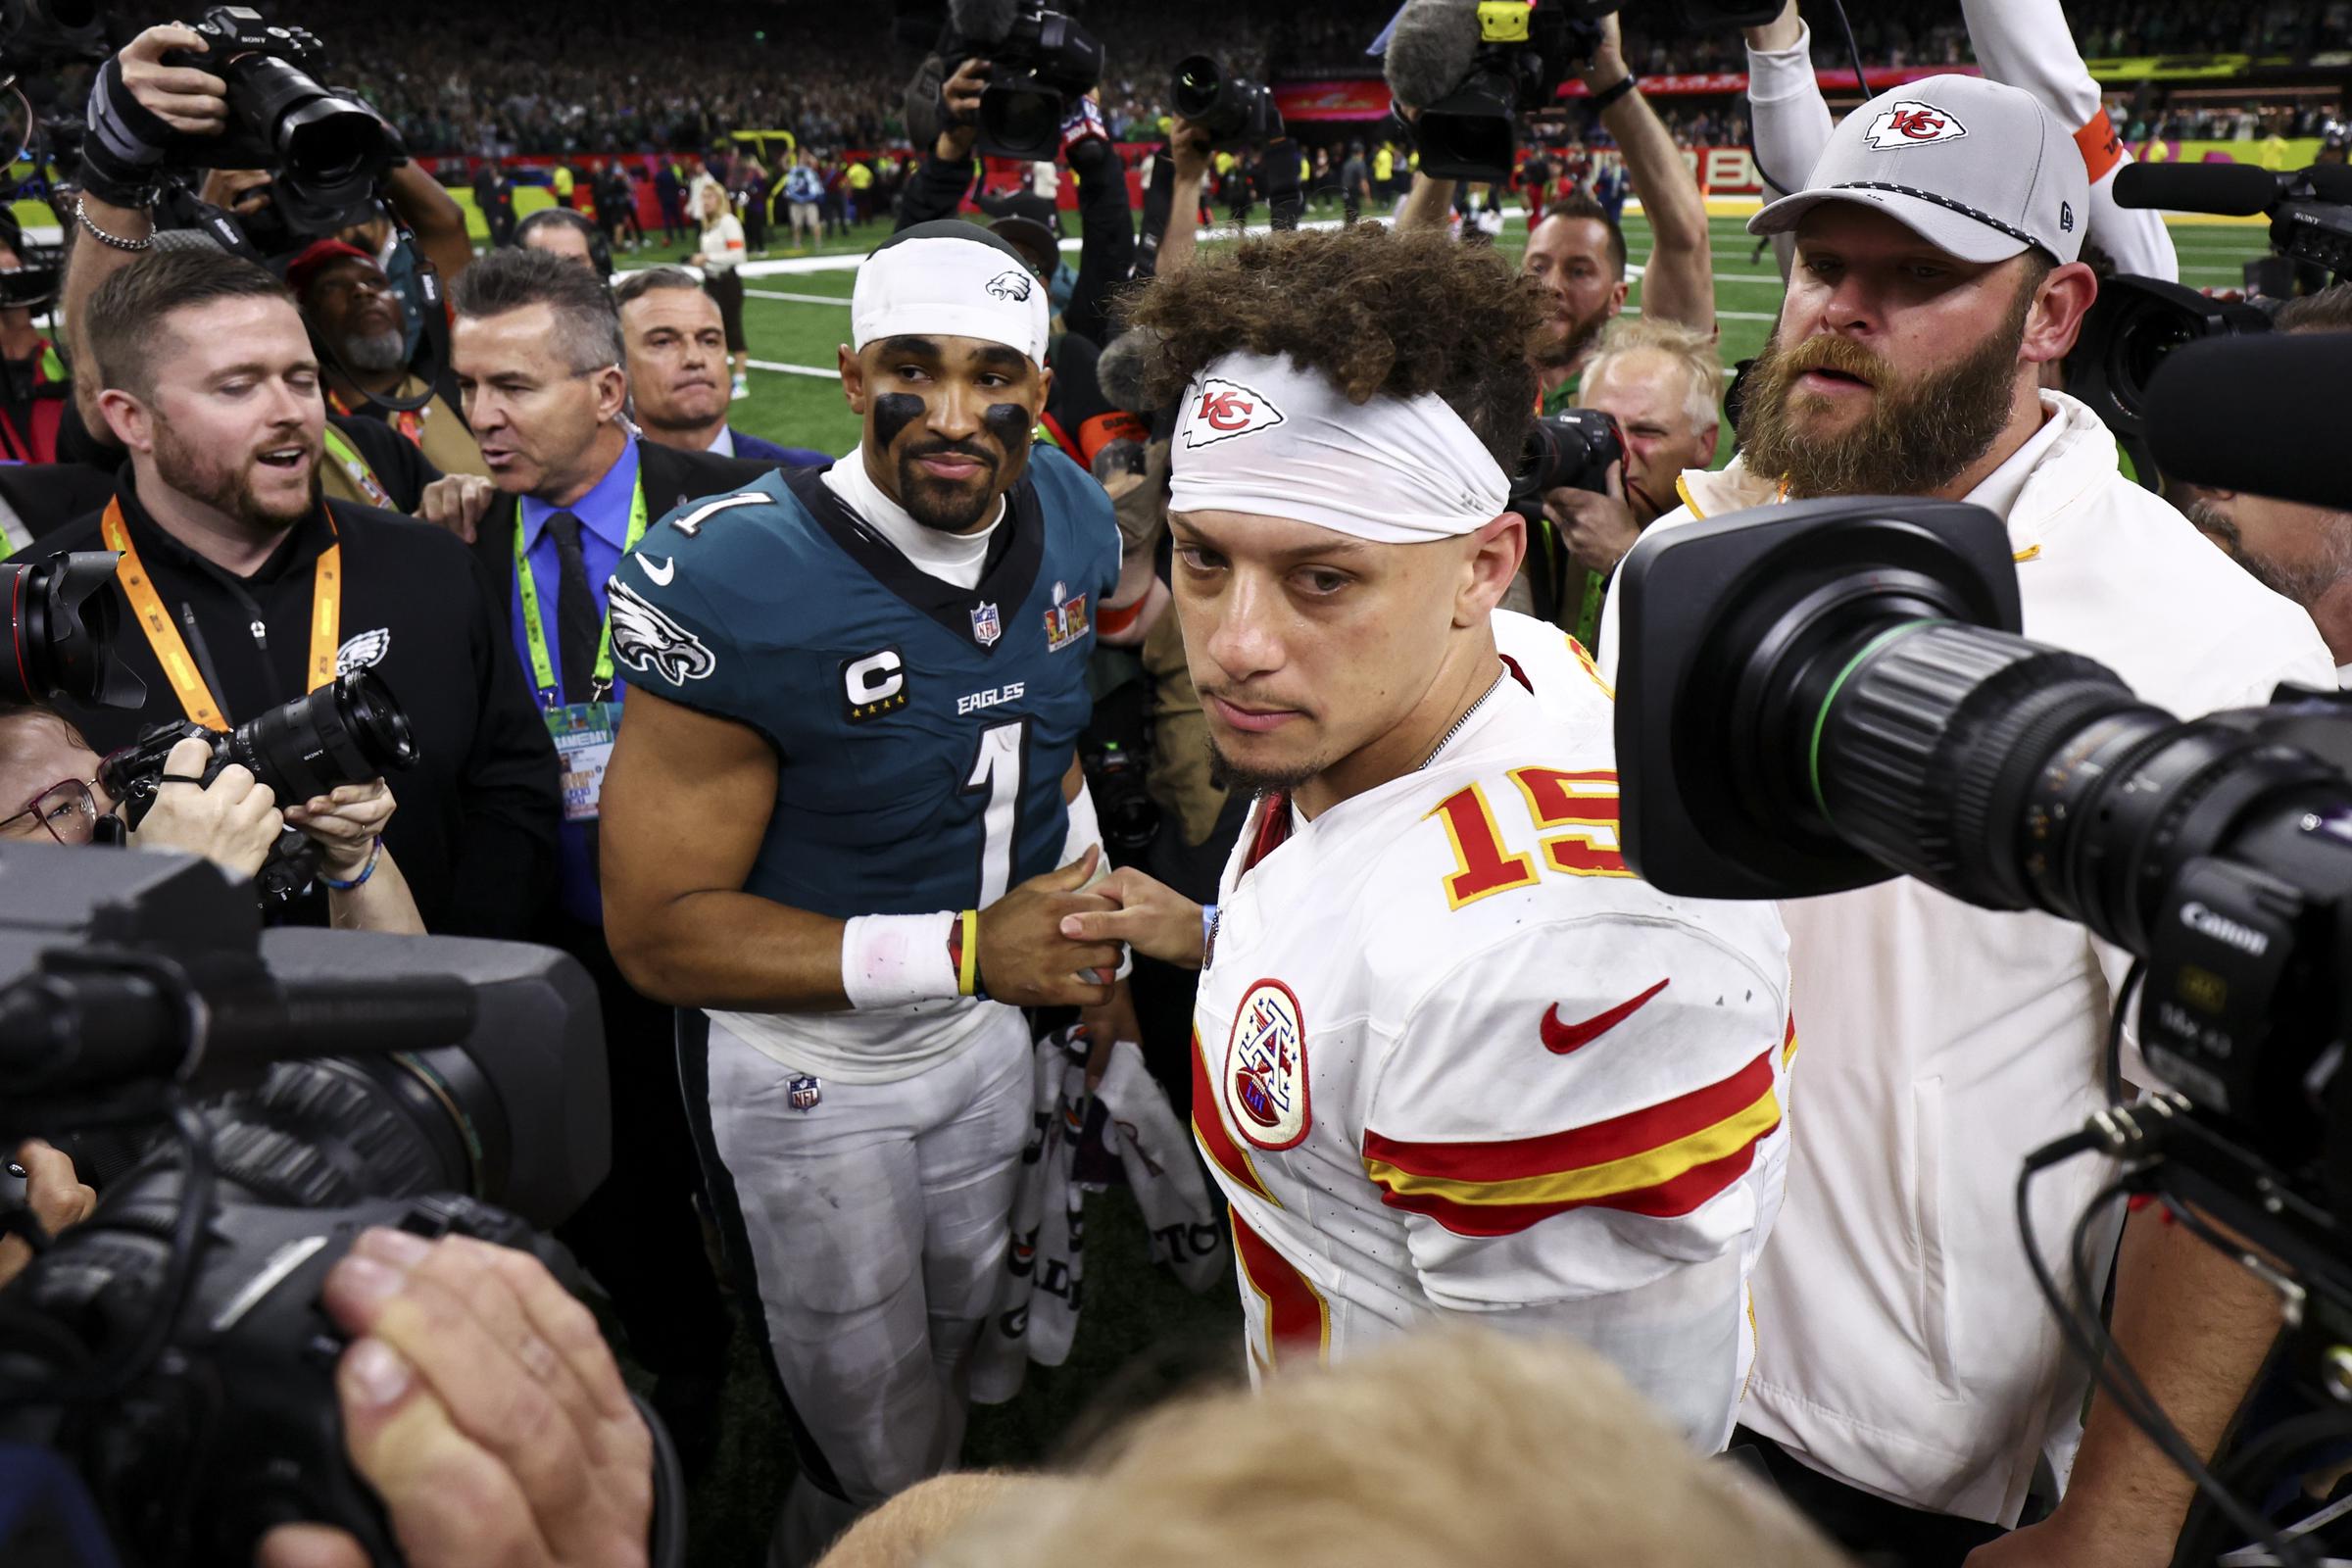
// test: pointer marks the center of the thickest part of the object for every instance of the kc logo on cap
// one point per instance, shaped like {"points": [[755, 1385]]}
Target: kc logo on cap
{"points": [[1909, 124], [1226, 408]]}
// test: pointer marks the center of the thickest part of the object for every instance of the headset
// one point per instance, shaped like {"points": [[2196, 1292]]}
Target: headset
{"points": [[600, 251]]}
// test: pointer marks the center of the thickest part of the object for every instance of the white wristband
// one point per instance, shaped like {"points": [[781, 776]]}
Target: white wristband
{"points": [[888, 961], [1086, 829]]}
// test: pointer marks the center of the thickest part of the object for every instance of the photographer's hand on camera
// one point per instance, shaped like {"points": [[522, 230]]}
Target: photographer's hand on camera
{"points": [[348, 824], [959, 126], [484, 1408], [1596, 530], [1024, 958], [54, 1195], [1150, 917], [242, 191], [232, 822]]}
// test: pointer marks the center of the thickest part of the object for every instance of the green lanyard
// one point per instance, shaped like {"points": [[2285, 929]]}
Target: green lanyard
{"points": [[534, 629]]}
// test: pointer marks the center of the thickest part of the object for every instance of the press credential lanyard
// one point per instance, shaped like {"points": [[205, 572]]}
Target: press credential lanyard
{"points": [[534, 629], [195, 696]]}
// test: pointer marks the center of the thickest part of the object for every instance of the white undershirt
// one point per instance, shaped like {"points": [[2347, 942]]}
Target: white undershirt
{"points": [[953, 557]]}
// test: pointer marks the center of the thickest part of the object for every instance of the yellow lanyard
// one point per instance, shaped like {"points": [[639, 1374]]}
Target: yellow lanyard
{"points": [[534, 628], [195, 696]]}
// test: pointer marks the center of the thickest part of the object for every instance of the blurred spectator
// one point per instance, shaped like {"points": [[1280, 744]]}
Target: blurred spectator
{"points": [[721, 253], [348, 302], [677, 363], [560, 231], [35, 384]]}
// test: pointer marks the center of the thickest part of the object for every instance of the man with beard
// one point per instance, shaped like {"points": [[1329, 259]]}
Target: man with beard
{"points": [[677, 361], [843, 822], [2294, 548], [353, 313], [240, 588], [1453, 1062], [1909, 1381]]}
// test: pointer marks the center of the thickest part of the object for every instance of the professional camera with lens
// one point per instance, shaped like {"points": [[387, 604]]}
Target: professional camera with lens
{"points": [[171, 1348], [1235, 111], [60, 624], [1038, 62], [1472, 86], [329, 149], [348, 731], [1571, 450]]}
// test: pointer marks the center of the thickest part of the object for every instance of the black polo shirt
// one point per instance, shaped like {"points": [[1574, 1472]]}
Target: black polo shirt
{"points": [[476, 829]]}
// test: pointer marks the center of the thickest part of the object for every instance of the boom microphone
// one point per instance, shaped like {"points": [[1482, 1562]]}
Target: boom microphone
{"points": [[1431, 47], [1119, 371], [2260, 415], [982, 20], [2235, 190]]}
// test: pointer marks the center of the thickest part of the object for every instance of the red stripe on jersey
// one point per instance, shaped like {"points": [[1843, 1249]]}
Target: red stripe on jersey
{"points": [[1208, 1131], [1619, 1138], [1665, 1200], [1273, 829], [1297, 1318]]}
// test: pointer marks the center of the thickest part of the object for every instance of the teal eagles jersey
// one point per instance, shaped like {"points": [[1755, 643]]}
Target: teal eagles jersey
{"points": [[922, 731]]}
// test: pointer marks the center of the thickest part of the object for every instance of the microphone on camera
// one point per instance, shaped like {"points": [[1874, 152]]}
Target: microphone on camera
{"points": [[1431, 46], [983, 20], [2261, 414], [1119, 370], [2232, 190]]}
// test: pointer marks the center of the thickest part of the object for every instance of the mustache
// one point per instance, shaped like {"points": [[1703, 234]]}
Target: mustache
{"points": [[958, 448], [1840, 354]]}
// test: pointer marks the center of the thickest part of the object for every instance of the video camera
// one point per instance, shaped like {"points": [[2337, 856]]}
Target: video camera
{"points": [[172, 1348], [329, 149], [1038, 61], [1570, 450], [1235, 111], [1818, 696]]}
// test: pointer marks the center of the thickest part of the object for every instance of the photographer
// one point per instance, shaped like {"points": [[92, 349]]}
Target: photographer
{"points": [[248, 590], [1908, 1383], [2292, 547], [234, 822], [353, 314], [34, 383], [1577, 252]]}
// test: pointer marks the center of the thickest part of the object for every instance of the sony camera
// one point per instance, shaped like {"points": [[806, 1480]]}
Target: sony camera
{"points": [[328, 148], [1235, 111], [1571, 450], [348, 731], [172, 1349], [1038, 61]]}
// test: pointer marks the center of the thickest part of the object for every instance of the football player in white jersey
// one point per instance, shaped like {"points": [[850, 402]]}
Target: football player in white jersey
{"points": [[1452, 1060]]}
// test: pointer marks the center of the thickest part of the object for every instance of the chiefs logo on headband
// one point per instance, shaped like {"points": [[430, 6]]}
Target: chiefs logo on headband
{"points": [[1218, 409]]}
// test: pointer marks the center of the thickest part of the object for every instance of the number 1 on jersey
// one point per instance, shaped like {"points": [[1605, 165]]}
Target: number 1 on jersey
{"points": [[1003, 753]]}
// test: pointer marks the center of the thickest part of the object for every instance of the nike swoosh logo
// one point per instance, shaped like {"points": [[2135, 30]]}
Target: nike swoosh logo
{"points": [[1562, 1038], [660, 575]]}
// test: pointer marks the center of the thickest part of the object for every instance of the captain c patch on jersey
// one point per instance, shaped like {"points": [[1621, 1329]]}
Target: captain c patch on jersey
{"points": [[873, 685], [649, 641]]}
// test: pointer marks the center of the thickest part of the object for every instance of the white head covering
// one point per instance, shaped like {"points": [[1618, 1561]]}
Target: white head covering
{"points": [[951, 285], [1258, 434]]}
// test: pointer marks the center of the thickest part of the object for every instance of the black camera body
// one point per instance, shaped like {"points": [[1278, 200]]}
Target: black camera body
{"points": [[329, 149], [1570, 450], [1235, 111], [1040, 61], [348, 731], [1524, 53]]}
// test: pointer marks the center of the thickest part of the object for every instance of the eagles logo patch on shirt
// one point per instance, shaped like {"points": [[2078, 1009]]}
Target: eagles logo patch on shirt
{"points": [[1066, 622], [1266, 1068]]}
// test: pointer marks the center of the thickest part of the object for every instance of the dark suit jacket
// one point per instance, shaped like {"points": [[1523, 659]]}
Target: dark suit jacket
{"points": [[670, 477]]}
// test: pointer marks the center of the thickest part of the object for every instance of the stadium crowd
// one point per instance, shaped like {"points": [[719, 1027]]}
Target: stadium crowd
{"points": [[1173, 746]]}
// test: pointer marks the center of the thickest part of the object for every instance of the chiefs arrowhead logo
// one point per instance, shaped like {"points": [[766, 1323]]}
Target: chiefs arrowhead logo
{"points": [[1912, 125], [1562, 1038], [1218, 409]]}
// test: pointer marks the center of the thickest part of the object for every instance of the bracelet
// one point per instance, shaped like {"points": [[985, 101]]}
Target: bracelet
{"points": [[1208, 931], [1603, 101], [366, 871], [82, 215]]}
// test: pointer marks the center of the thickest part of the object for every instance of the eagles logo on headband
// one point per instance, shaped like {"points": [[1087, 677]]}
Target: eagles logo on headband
{"points": [[1258, 434], [950, 279]]}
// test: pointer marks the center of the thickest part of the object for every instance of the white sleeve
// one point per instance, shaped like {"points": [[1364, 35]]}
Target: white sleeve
{"points": [[1791, 120]]}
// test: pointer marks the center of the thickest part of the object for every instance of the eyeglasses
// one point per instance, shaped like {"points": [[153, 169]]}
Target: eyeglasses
{"points": [[67, 812]]}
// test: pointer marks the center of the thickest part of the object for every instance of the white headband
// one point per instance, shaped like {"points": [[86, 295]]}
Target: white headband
{"points": [[945, 288], [1258, 434]]}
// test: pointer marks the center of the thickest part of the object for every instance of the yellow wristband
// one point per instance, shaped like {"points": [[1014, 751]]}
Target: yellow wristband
{"points": [[967, 961]]}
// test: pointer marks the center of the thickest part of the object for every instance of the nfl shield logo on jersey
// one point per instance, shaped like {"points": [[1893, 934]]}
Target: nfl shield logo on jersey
{"points": [[1266, 1068], [987, 625], [803, 1091]]}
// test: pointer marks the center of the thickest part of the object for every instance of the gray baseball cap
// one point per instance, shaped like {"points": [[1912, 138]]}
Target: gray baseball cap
{"points": [[1977, 170]]}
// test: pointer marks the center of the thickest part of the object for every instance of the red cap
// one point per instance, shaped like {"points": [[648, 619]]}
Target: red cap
{"points": [[318, 254]]}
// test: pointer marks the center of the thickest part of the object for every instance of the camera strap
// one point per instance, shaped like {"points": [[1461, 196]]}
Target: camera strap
{"points": [[534, 625], [196, 698]]}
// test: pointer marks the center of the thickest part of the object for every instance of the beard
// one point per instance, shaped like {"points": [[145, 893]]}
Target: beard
{"points": [[2306, 582], [377, 352], [1920, 432], [1256, 781], [949, 508], [1575, 337], [191, 472]]}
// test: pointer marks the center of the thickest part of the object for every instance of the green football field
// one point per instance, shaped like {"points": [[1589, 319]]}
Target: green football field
{"points": [[794, 321], [1139, 1334]]}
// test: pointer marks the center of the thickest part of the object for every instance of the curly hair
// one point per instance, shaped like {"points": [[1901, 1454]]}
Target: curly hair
{"points": [[1380, 313]]}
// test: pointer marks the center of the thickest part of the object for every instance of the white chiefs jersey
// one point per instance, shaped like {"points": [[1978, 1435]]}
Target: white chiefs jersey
{"points": [[1452, 1057]]}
